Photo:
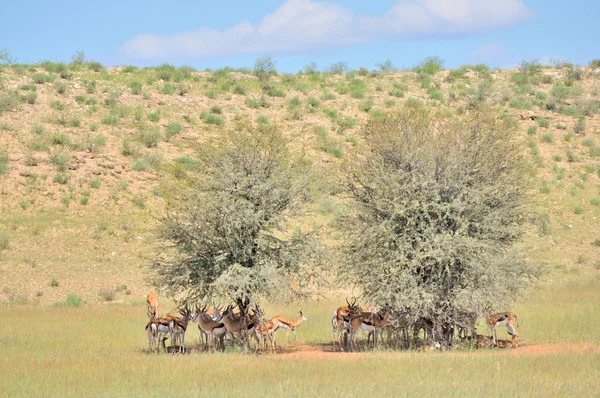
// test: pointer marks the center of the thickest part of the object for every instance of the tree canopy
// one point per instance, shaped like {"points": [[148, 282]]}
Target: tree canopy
{"points": [[224, 235], [437, 210]]}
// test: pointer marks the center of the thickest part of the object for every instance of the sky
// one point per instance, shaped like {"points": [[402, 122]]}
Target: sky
{"points": [[294, 33]]}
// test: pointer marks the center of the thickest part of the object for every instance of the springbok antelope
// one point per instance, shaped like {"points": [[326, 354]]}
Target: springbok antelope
{"points": [[234, 326], [266, 331], [180, 326], [430, 347], [156, 329], [507, 319], [152, 300], [342, 319], [213, 329], [288, 324], [371, 321]]}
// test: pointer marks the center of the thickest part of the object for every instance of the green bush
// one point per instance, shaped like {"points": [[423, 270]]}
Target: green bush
{"points": [[73, 301], [41, 78], [264, 68], [543, 123], [580, 125], [149, 136], [532, 130], [548, 137], [4, 241], [154, 116], [211, 118], [338, 68], [136, 88], [3, 161], [172, 129], [366, 106], [429, 66]]}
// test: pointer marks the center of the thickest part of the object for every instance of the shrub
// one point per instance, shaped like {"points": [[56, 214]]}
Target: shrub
{"points": [[211, 118], [543, 123], [60, 87], [149, 136], [532, 130], [594, 64], [154, 116], [167, 89], [73, 301], [595, 201], [548, 137], [430, 65], [61, 178], [95, 66], [560, 92], [136, 88], [435, 94], [41, 78], [589, 142], [257, 103], [326, 96], [338, 68], [327, 144], [4, 241], [264, 68], [357, 88], [172, 129], [140, 165], [60, 160], [59, 106], [107, 294], [580, 125], [313, 102], [366, 106], [572, 75], [54, 283], [294, 103], [578, 210]]}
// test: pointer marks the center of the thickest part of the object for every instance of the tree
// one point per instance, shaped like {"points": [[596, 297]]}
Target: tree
{"points": [[438, 208], [224, 233]]}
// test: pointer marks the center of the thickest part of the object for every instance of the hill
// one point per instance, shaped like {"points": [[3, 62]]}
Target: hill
{"points": [[88, 153]]}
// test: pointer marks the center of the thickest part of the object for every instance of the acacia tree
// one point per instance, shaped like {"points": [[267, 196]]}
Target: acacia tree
{"points": [[438, 208], [223, 234]]}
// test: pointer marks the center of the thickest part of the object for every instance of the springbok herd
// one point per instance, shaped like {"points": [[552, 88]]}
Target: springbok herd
{"points": [[216, 324]]}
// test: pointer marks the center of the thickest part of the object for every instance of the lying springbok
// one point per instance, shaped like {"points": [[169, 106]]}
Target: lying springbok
{"points": [[507, 319], [288, 324], [432, 347]]}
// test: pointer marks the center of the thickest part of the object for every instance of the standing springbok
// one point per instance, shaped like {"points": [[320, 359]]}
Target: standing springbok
{"points": [[156, 328], [179, 328], [288, 324], [152, 300], [213, 329], [507, 319], [372, 322]]}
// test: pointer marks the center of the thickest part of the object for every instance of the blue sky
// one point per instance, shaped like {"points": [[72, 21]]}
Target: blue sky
{"points": [[500, 33]]}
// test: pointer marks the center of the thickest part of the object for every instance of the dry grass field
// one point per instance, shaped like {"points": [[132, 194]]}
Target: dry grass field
{"points": [[87, 158]]}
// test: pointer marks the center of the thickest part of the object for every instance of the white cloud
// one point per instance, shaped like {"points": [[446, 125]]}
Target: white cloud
{"points": [[305, 25]]}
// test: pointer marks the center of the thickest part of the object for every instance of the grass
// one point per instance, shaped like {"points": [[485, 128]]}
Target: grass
{"points": [[47, 359]]}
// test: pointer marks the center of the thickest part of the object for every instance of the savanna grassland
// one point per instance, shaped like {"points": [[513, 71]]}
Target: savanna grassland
{"points": [[89, 155]]}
